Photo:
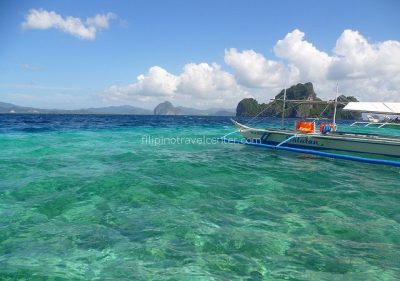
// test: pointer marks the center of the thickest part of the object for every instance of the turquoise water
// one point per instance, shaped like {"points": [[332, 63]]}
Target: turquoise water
{"points": [[86, 198]]}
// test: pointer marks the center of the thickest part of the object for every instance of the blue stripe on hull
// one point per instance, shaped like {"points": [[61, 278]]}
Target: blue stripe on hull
{"points": [[316, 148], [316, 152]]}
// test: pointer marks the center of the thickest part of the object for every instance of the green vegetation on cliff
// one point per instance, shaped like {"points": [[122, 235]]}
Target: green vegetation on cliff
{"points": [[250, 107]]}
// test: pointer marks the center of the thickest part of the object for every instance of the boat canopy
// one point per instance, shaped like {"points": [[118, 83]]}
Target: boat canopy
{"points": [[374, 107]]}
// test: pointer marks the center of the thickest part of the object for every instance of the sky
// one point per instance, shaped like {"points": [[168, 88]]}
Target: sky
{"points": [[202, 54]]}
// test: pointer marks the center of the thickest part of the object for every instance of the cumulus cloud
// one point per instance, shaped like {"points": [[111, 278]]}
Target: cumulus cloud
{"points": [[376, 66], [254, 70], [297, 60], [312, 64], [205, 80], [156, 83], [356, 58], [369, 71], [200, 84], [42, 19]]}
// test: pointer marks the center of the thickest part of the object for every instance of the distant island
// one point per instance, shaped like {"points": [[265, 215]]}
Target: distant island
{"points": [[247, 107], [250, 107], [167, 108], [122, 109]]}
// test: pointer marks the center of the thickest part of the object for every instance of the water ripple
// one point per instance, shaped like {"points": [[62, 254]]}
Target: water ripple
{"points": [[81, 197]]}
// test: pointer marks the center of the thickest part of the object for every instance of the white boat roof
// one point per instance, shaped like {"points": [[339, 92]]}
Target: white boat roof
{"points": [[374, 107]]}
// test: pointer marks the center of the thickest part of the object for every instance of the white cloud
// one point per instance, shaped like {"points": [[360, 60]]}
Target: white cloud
{"points": [[254, 70], [199, 85], [205, 80], [311, 63], [100, 21], [376, 66], [42, 19], [369, 71], [355, 57], [157, 83]]}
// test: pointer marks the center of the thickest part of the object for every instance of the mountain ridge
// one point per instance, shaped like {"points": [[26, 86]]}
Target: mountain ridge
{"points": [[9, 108], [121, 109]]}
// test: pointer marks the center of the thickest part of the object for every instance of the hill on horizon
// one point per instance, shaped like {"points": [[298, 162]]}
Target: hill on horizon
{"points": [[167, 108]]}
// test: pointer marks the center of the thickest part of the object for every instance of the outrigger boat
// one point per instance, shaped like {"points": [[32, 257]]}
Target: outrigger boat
{"points": [[305, 136], [326, 141]]}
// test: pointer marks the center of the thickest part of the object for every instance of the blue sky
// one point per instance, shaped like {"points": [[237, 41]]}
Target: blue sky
{"points": [[183, 51]]}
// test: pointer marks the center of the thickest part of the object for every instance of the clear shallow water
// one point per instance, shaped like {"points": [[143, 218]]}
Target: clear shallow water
{"points": [[85, 198]]}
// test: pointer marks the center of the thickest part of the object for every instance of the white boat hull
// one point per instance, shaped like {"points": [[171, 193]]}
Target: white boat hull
{"points": [[349, 142]]}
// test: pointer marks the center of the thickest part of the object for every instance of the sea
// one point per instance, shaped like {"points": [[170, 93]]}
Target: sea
{"points": [[97, 197]]}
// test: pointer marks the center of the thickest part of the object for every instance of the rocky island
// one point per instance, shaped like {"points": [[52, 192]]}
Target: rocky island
{"points": [[167, 108], [250, 107]]}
